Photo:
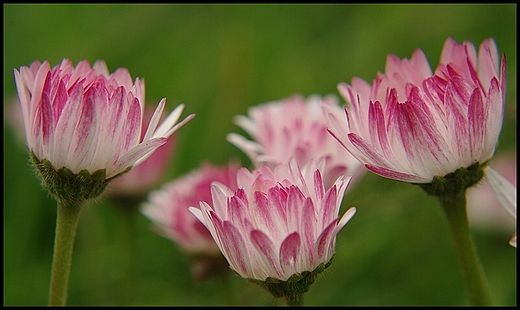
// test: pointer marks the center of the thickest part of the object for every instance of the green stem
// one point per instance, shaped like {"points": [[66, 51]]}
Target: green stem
{"points": [[128, 213], [66, 225], [294, 299], [454, 206]]}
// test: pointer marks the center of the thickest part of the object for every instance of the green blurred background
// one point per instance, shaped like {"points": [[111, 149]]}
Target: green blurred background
{"points": [[218, 60]]}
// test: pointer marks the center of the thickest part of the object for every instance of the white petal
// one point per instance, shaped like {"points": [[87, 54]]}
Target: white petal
{"points": [[504, 190]]}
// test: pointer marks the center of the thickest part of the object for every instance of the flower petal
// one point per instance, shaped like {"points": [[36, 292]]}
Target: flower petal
{"points": [[267, 254], [290, 257], [504, 190], [235, 248]]}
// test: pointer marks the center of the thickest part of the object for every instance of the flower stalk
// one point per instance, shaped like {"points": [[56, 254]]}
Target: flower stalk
{"points": [[451, 192], [454, 207], [292, 290], [295, 299], [128, 211], [66, 226]]}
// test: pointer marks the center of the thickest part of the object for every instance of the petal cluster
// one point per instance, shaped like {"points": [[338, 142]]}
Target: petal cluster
{"points": [[413, 124], [168, 206], [142, 178], [280, 222], [85, 118], [294, 127]]}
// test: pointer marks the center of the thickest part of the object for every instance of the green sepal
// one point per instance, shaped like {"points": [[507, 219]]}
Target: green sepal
{"points": [[455, 182], [70, 188], [297, 284]]}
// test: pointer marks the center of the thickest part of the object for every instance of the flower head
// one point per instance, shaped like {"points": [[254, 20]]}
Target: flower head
{"points": [[167, 208], [13, 117], [412, 125], [83, 123], [294, 127], [280, 226]]}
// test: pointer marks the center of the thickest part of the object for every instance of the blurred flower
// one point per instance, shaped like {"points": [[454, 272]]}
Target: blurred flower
{"points": [[168, 206], [13, 117], [411, 125], [505, 192], [83, 125], [279, 228], [136, 183], [484, 210], [294, 127]]}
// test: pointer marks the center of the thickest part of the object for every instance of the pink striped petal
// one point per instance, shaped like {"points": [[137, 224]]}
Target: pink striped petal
{"points": [[309, 229], [503, 77], [113, 123], [60, 99], [319, 187], [268, 255], [66, 125], [324, 244], [82, 68], [487, 62], [133, 155], [420, 66], [211, 220], [477, 118], [265, 218], [85, 131], [235, 248], [23, 96], [452, 52], [295, 213], [131, 133], [290, 256], [329, 207], [278, 200], [37, 88], [238, 211], [219, 199], [495, 115], [367, 150], [413, 141], [430, 135], [456, 98], [378, 133], [47, 117], [396, 175], [434, 88], [156, 117]]}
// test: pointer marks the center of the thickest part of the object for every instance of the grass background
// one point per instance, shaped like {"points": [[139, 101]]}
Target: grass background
{"points": [[218, 60]]}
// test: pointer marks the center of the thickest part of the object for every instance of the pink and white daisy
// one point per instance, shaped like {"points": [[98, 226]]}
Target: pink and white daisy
{"points": [[413, 124], [280, 224], [294, 127], [85, 118], [83, 128], [167, 207]]}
